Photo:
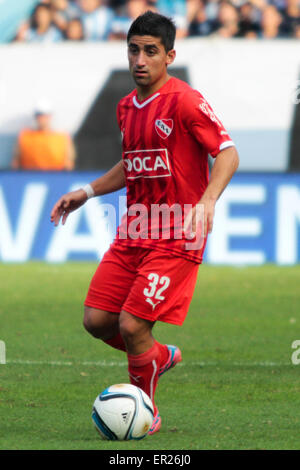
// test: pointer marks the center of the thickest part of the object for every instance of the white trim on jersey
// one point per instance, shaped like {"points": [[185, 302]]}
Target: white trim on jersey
{"points": [[138, 105], [226, 144]]}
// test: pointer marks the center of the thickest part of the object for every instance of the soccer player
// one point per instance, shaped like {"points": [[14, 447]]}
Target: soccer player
{"points": [[168, 129]]}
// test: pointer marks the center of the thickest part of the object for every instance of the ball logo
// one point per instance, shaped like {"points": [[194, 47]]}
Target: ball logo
{"points": [[152, 163], [164, 127]]}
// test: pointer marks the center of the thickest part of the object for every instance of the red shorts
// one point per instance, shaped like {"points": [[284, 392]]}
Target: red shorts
{"points": [[148, 283]]}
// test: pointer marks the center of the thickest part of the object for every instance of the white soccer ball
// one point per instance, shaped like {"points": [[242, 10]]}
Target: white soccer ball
{"points": [[123, 412]]}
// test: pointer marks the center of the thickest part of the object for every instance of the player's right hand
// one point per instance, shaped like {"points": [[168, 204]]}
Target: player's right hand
{"points": [[66, 204]]}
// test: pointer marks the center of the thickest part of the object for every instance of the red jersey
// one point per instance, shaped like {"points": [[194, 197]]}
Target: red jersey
{"points": [[166, 141]]}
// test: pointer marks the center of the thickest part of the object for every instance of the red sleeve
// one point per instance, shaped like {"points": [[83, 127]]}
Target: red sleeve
{"points": [[199, 119]]}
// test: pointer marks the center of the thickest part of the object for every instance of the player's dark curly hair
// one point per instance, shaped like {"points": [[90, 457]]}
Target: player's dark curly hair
{"points": [[154, 24]]}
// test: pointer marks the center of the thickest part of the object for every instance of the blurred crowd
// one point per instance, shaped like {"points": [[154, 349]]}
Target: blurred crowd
{"points": [[94, 20]]}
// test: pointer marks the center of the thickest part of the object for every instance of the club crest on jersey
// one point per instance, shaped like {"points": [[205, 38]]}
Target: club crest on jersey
{"points": [[164, 127]]}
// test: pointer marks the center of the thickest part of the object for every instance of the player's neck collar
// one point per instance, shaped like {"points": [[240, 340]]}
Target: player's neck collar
{"points": [[145, 102]]}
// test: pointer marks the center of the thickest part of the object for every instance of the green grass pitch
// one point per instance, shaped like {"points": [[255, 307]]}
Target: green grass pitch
{"points": [[236, 388]]}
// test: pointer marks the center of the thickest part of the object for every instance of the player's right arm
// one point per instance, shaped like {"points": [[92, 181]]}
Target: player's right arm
{"points": [[111, 181]]}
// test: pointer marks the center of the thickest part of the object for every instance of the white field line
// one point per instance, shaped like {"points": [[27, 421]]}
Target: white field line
{"points": [[29, 362]]}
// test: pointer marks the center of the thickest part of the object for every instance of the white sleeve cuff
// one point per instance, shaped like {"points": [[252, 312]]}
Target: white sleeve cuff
{"points": [[226, 144]]}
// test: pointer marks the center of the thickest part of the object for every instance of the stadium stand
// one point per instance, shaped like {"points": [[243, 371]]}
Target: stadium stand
{"points": [[94, 20], [12, 14], [103, 21]]}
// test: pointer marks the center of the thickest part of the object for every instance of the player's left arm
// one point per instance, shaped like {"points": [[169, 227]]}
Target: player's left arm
{"points": [[225, 165]]}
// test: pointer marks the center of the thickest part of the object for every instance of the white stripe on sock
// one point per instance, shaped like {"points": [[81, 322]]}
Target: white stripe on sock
{"points": [[152, 378]]}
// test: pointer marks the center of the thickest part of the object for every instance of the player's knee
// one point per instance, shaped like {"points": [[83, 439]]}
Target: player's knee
{"points": [[130, 327], [88, 322], [128, 330], [94, 324]]}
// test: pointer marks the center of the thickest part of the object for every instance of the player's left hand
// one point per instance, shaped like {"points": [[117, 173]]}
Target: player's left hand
{"points": [[202, 216], [208, 208]]}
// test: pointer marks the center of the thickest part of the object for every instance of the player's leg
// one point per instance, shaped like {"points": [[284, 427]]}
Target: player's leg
{"points": [[162, 290], [136, 332], [104, 325], [145, 354], [107, 292]]}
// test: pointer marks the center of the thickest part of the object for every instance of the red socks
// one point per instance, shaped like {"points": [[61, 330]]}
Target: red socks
{"points": [[143, 368], [116, 342]]}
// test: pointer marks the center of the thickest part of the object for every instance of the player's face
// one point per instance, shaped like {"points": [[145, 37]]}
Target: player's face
{"points": [[148, 61]]}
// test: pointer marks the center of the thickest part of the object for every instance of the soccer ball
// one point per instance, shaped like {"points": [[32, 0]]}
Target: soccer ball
{"points": [[123, 412]]}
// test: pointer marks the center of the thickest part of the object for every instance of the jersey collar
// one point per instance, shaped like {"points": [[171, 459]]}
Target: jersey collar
{"points": [[144, 103]]}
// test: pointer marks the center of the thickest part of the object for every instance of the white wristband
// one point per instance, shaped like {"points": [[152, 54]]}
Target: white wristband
{"points": [[89, 191]]}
